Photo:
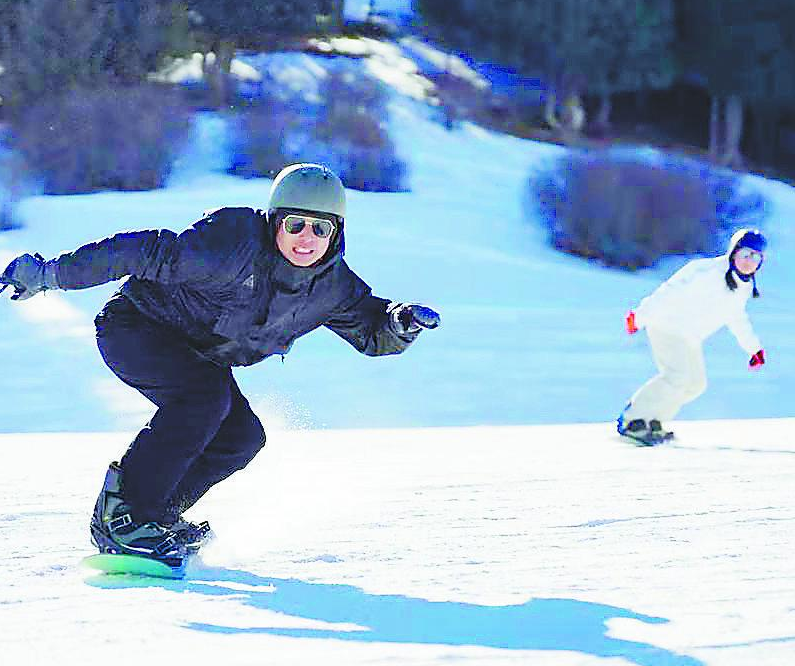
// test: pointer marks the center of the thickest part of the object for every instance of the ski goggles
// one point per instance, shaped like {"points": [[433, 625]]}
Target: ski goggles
{"points": [[748, 253], [294, 224]]}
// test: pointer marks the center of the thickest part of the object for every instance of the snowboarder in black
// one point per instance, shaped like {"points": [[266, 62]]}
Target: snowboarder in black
{"points": [[236, 287]]}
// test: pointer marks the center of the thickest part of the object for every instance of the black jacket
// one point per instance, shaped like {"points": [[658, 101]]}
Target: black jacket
{"points": [[226, 287]]}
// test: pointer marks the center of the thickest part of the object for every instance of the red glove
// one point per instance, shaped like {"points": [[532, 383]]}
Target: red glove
{"points": [[757, 360], [630, 323]]}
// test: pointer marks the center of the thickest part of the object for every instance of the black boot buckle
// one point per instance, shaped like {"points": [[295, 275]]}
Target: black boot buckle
{"points": [[119, 522], [165, 545]]}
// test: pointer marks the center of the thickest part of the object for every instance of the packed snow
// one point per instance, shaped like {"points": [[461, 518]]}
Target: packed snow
{"points": [[556, 545]]}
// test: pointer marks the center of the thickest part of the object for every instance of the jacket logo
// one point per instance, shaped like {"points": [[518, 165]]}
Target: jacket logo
{"points": [[249, 282]]}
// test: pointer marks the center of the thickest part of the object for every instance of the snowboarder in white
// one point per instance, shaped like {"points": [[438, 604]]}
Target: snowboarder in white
{"points": [[702, 297]]}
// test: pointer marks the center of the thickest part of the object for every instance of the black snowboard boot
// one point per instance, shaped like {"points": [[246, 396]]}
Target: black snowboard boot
{"points": [[193, 535], [656, 429], [114, 530], [640, 431]]}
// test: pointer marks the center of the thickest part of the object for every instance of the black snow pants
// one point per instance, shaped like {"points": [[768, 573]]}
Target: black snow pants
{"points": [[203, 429]]}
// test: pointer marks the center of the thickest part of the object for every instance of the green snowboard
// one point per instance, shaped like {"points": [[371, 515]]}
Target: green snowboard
{"points": [[133, 565]]}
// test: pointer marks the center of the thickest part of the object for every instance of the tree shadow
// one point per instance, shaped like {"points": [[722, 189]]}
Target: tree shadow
{"points": [[538, 624]]}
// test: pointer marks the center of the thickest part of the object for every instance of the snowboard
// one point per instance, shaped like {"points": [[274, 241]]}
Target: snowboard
{"points": [[647, 440], [132, 565]]}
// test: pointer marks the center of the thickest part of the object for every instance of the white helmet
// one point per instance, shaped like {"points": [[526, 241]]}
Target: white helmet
{"points": [[312, 187]]}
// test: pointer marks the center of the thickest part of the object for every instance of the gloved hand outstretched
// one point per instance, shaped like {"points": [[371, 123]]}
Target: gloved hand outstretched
{"points": [[629, 323], [757, 360], [28, 275], [412, 317]]}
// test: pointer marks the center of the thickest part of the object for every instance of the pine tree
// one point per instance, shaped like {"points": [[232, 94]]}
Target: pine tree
{"points": [[228, 23], [577, 46], [745, 54]]}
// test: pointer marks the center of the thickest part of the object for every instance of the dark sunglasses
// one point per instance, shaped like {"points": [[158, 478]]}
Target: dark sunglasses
{"points": [[294, 224]]}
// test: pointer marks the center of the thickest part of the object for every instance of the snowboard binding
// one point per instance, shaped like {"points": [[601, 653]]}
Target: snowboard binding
{"points": [[6, 282], [645, 434], [193, 535]]}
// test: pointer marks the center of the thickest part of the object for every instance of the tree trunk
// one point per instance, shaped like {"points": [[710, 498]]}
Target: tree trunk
{"points": [[603, 115], [573, 117], [550, 110], [714, 128], [226, 53], [765, 133], [337, 9], [642, 102], [732, 157], [217, 66], [570, 122]]}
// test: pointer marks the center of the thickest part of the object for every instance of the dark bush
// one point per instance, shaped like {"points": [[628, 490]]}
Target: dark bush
{"points": [[372, 169], [8, 197], [259, 137], [344, 130], [105, 139], [11, 179], [628, 209], [52, 46], [352, 124]]}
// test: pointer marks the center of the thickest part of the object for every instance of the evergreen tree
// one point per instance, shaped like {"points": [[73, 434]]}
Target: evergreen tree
{"points": [[230, 23], [8, 11], [333, 11], [577, 46], [139, 32], [745, 54], [51, 46], [241, 21]]}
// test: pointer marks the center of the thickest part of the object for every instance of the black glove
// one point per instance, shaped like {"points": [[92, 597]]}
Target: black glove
{"points": [[28, 275], [412, 317]]}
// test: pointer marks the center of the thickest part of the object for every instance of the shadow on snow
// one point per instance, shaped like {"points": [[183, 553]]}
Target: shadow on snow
{"points": [[538, 624]]}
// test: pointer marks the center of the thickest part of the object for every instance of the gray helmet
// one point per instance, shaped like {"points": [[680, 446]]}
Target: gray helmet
{"points": [[309, 187]]}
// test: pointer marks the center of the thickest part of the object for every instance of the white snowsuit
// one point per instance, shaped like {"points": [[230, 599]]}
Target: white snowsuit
{"points": [[678, 316]]}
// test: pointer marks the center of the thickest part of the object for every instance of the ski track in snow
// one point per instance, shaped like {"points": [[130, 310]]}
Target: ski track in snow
{"points": [[506, 545]]}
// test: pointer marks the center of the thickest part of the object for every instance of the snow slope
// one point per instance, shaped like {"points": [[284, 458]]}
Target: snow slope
{"points": [[528, 335], [554, 545]]}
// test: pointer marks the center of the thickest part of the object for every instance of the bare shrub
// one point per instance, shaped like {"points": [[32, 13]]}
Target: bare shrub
{"points": [[629, 210], [259, 137], [352, 124], [372, 169], [344, 130], [110, 138]]}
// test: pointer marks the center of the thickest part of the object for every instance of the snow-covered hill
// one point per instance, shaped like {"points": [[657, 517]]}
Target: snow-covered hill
{"points": [[554, 545], [528, 335]]}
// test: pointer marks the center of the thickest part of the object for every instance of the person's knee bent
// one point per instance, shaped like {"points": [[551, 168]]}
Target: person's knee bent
{"points": [[248, 442], [696, 387], [255, 442], [207, 408], [679, 381]]}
